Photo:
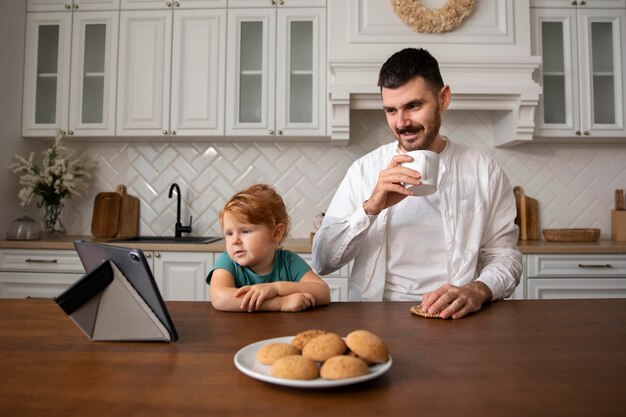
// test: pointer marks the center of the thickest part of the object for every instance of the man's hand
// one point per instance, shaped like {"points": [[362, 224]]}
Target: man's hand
{"points": [[456, 302], [389, 189]]}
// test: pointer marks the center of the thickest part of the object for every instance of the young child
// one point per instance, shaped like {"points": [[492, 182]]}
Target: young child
{"points": [[254, 274]]}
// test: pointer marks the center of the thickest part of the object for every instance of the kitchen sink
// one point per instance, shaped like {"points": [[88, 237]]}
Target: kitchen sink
{"points": [[167, 239]]}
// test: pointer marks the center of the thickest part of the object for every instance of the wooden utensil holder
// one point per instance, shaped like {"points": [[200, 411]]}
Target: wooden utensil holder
{"points": [[618, 225]]}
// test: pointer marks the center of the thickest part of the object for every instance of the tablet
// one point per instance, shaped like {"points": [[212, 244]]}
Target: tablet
{"points": [[133, 265]]}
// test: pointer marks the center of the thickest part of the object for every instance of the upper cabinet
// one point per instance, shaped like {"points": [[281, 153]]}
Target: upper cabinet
{"points": [[70, 70], [64, 5], [171, 4], [276, 62], [171, 71], [582, 73]]}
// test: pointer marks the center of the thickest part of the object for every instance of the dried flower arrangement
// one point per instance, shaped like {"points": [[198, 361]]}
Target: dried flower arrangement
{"points": [[425, 20]]}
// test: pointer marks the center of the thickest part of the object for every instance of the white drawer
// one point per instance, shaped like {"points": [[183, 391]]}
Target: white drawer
{"points": [[572, 266], [38, 260]]}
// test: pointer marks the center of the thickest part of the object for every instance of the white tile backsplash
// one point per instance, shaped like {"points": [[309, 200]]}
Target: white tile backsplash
{"points": [[574, 183]]}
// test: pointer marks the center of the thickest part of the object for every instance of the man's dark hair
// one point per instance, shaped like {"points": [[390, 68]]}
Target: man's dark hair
{"points": [[407, 64]]}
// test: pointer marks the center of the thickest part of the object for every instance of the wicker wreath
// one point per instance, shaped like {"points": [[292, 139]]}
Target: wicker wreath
{"points": [[425, 20]]}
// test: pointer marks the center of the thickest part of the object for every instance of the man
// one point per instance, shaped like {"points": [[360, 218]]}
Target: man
{"points": [[455, 249]]}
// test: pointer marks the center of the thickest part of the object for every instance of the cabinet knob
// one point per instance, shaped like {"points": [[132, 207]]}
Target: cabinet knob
{"points": [[586, 133], [75, 6], [177, 4], [70, 132], [281, 2], [574, 3], [578, 133], [173, 133], [280, 132], [164, 132], [68, 6], [582, 3], [147, 254], [271, 132], [157, 255], [168, 4], [273, 2]]}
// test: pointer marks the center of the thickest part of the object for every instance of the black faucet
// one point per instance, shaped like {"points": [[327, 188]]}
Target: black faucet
{"points": [[179, 228]]}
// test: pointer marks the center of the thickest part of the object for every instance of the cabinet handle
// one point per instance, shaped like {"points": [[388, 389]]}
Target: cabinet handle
{"points": [[273, 2], [578, 133], [281, 2], [574, 3], [583, 2], [41, 261], [177, 4], [586, 133], [595, 266], [75, 6], [157, 255], [173, 133], [168, 4], [70, 132], [280, 132], [271, 132], [147, 255], [68, 6], [164, 132]]}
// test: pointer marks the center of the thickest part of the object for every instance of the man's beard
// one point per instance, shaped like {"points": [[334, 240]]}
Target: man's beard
{"points": [[428, 138]]}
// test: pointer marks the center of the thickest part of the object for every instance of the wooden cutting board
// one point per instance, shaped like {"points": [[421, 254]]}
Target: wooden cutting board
{"points": [[129, 214], [106, 213], [527, 215]]}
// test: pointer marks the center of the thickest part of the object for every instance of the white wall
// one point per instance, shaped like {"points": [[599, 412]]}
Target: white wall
{"points": [[12, 33], [573, 183]]}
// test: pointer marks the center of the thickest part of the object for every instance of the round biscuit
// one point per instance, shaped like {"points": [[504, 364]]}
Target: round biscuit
{"points": [[304, 337], [343, 366], [367, 346], [268, 354], [295, 367], [323, 347]]}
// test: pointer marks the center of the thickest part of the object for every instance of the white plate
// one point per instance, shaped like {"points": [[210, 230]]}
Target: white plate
{"points": [[245, 361]]}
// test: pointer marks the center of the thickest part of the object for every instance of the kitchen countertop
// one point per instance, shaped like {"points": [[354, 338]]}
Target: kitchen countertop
{"points": [[513, 358], [303, 245]]}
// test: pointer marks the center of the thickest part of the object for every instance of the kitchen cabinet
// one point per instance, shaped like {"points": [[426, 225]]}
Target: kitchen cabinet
{"points": [[582, 72], [70, 72], [337, 281], [552, 276], [170, 4], [276, 62], [37, 273], [181, 276], [171, 72], [64, 5]]}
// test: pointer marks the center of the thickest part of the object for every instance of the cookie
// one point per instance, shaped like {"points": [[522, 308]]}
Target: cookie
{"points": [[268, 354], [367, 346], [323, 347], [343, 366], [417, 310], [304, 337], [295, 367]]}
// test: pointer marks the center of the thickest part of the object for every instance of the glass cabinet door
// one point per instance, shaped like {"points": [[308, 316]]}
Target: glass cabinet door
{"points": [[94, 68], [602, 59], [251, 75], [46, 73], [300, 73], [555, 39]]}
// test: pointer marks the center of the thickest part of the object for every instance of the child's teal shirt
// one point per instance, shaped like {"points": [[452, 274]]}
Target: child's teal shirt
{"points": [[287, 267]]}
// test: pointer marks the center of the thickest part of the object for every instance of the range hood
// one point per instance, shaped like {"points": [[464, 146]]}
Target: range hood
{"points": [[503, 85]]}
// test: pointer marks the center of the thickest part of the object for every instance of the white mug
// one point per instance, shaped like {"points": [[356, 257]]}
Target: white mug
{"points": [[427, 164]]}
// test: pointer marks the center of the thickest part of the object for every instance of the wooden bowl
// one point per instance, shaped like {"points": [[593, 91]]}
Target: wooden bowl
{"points": [[571, 235]]}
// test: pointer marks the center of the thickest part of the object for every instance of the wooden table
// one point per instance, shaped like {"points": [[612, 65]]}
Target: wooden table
{"points": [[514, 358]]}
